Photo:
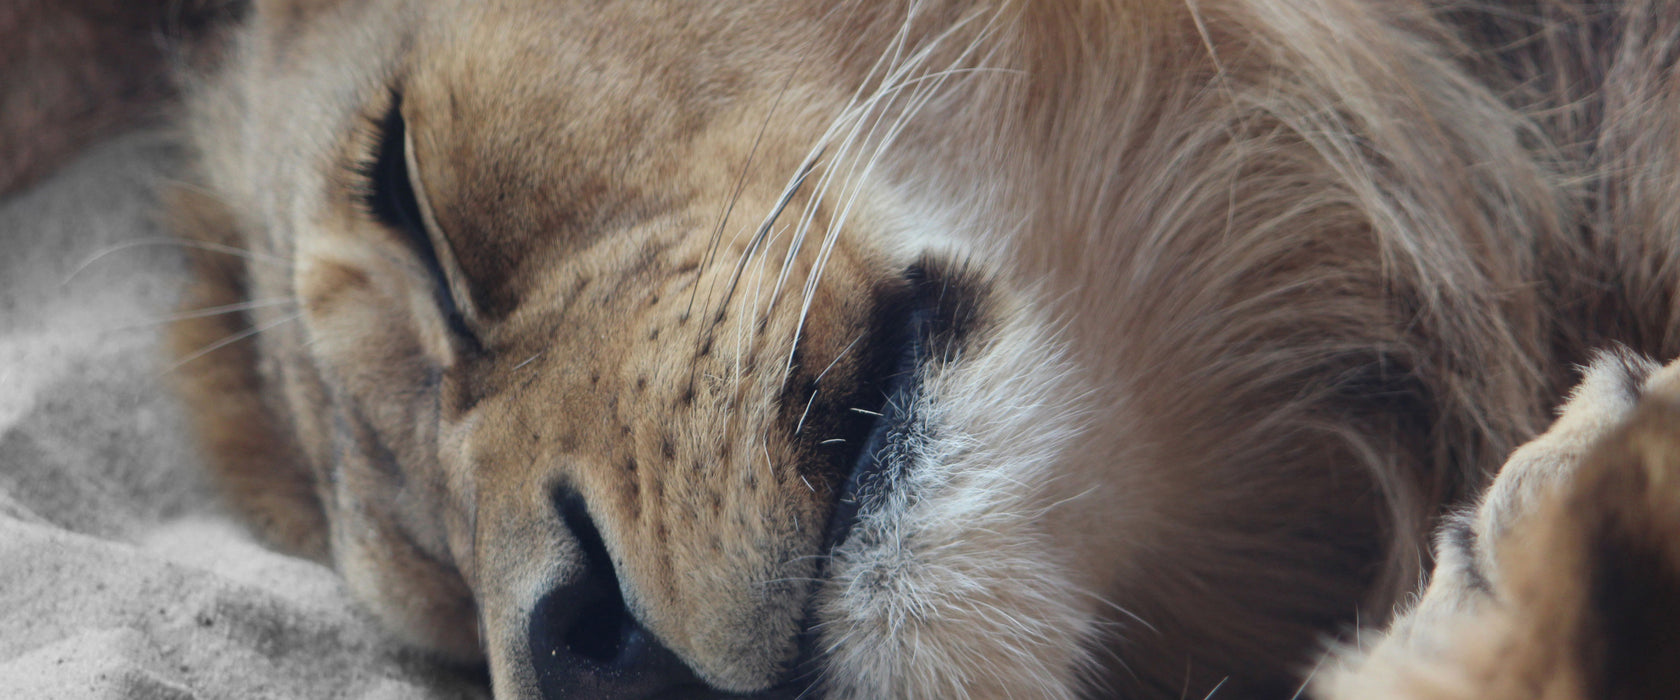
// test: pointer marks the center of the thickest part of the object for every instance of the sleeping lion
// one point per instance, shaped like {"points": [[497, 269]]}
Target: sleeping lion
{"points": [[940, 349]]}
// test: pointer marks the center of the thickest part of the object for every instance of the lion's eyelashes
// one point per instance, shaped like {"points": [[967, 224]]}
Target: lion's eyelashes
{"points": [[389, 195], [386, 191]]}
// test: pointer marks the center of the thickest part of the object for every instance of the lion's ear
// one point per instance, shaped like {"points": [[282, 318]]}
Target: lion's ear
{"points": [[1599, 575]]}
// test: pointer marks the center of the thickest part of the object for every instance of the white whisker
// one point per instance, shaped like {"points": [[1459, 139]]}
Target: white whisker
{"points": [[183, 243], [1309, 678], [880, 104], [230, 340], [818, 383], [205, 312]]}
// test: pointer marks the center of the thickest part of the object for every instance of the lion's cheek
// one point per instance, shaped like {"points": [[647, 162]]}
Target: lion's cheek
{"points": [[366, 333]]}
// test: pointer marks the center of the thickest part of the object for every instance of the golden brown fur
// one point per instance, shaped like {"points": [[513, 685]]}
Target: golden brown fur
{"points": [[1236, 297], [1563, 582]]}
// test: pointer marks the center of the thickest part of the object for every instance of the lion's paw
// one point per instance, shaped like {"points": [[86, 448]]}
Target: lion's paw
{"points": [[1564, 582]]}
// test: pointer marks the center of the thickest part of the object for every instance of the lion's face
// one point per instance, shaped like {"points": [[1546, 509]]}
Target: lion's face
{"points": [[590, 378]]}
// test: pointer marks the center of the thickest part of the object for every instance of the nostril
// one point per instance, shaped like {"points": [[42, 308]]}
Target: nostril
{"points": [[584, 641], [603, 633], [601, 629]]}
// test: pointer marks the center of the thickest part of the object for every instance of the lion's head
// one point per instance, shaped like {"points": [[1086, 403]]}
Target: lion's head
{"points": [[914, 350]]}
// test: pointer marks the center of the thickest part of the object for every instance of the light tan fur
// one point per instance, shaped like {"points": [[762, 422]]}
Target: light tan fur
{"points": [[1248, 290]]}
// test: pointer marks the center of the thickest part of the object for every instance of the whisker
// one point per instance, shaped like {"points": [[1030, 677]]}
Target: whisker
{"points": [[206, 312], [789, 579], [824, 183], [200, 245], [229, 341], [753, 246], [818, 383], [1308, 681], [527, 361], [723, 220], [740, 186], [769, 221], [759, 314], [853, 113], [890, 88], [1128, 613]]}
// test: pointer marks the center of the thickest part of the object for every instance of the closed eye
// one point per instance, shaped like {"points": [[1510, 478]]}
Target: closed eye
{"points": [[390, 197]]}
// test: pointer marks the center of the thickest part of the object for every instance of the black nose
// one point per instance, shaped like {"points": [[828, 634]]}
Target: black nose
{"points": [[584, 641]]}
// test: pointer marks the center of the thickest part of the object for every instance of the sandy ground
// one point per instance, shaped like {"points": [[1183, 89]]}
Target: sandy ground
{"points": [[119, 576]]}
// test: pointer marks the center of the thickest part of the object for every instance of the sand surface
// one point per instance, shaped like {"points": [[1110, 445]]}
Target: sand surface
{"points": [[119, 575]]}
